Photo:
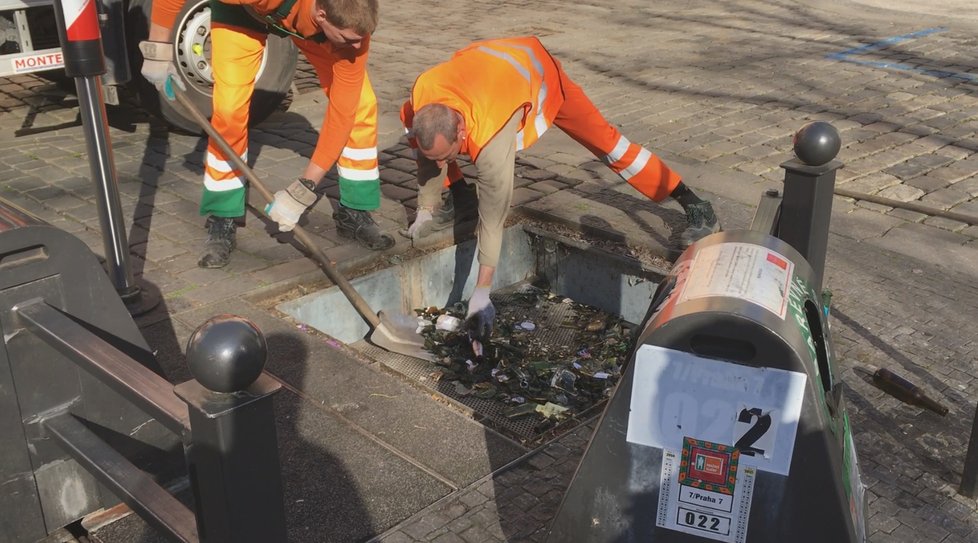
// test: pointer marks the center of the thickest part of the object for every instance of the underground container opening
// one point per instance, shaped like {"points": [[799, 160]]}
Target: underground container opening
{"points": [[566, 315]]}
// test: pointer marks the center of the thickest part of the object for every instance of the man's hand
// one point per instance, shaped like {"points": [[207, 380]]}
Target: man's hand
{"points": [[289, 204], [422, 218], [481, 314], [158, 67]]}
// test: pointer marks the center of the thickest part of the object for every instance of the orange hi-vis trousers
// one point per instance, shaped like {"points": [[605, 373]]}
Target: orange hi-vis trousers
{"points": [[580, 119], [236, 55]]}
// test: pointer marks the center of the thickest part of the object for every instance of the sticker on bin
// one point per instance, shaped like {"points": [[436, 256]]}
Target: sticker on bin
{"points": [[740, 270], [706, 491], [756, 410]]}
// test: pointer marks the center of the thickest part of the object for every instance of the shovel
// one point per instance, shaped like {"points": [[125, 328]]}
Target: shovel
{"points": [[394, 333]]}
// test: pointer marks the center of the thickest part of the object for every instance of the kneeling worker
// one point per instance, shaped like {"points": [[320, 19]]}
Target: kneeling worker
{"points": [[494, 98]]}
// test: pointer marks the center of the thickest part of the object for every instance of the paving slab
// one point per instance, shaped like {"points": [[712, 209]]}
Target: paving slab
{"points": [[450, 445]]}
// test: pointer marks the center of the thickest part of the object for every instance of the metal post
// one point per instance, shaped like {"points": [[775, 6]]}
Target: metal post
{"points": [[81, 45], [103, 171], [233, 454], [969, 479], [768, 212], [809, 182]]}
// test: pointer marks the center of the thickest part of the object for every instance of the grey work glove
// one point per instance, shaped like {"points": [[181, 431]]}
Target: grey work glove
{"points": [[481, 314], [289, 204], [159, 69]]}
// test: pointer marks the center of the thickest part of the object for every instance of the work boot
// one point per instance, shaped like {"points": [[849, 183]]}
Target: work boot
{"points": [[220, 242], [702, 222], [360, 226], [461, 199]]}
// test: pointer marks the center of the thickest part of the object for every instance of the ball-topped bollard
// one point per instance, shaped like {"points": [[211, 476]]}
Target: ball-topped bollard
{"points": [[817, 143], [227, 353]]}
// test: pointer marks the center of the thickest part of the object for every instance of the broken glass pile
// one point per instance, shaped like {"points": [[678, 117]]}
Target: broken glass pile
{"points": [[548, 357]]}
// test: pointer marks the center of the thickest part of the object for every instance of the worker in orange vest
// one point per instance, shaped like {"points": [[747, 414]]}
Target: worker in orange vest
{"points": [[492, 99], [334, 35]]}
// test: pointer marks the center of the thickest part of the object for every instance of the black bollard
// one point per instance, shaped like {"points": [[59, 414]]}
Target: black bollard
{"points": [[809, 182], [233, 454]]}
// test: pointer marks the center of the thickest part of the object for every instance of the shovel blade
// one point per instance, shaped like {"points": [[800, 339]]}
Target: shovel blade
{"points": [[399, 334]]}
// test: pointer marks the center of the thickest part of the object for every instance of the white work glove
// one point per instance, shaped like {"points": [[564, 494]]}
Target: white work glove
{"points": [[159, 69], [289, 204], [481, 314], [422, 218]]}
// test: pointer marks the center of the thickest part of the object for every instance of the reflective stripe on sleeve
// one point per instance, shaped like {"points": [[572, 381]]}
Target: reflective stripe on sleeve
{"points": [[637, 165], [618, 152]]}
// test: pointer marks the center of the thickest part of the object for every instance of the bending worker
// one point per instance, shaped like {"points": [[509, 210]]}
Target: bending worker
{"points": [[494, 98], [334, 35]]}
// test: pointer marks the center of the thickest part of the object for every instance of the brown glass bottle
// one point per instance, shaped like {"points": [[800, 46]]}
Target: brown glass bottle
{"points": [[906, 391]]}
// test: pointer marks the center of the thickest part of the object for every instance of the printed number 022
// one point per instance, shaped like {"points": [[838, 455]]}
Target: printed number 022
{"points": [[700, 521]]}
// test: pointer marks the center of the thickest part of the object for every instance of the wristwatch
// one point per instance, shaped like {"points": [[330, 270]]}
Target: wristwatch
{"points": [[308, 183]]}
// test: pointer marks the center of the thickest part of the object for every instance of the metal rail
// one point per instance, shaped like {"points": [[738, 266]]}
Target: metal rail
{"points": [[910, 206], [132, 485], [139, 385]]}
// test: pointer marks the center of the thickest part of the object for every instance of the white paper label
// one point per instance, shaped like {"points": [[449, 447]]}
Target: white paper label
{"points": [[740, 270], [677, 394]]}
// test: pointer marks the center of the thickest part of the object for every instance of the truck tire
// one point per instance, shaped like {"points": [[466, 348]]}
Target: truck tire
{"points": [[190, 37]]}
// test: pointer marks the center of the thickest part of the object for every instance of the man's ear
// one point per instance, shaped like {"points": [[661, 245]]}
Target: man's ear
{"points": [[461, 128]]}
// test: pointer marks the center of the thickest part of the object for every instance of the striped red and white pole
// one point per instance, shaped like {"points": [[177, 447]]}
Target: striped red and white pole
{"points": [[81, 40]]}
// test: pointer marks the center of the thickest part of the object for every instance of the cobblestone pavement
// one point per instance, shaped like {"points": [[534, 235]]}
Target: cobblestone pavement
{"points": [[716, 87]]}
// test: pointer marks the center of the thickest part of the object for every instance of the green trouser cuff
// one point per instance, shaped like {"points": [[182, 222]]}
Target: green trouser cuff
{"points": [[362, 195], [227, 203]]}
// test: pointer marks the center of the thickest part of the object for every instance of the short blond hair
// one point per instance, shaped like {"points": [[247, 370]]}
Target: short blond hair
{"points": [[357, 15]]}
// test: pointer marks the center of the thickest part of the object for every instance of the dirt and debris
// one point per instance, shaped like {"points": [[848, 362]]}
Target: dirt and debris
{"points": [[597, 240], [550, 370]]}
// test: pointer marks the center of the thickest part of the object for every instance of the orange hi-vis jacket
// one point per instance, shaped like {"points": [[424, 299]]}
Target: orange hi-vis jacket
{"points": [[490, 81], [509, 92], [486, 83]]}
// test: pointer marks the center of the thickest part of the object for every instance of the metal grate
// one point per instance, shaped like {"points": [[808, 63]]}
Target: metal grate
{"points": [[549, 332]]}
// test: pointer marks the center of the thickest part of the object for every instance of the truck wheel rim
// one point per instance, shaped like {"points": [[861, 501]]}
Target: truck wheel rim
{"points": [[193, 50]]}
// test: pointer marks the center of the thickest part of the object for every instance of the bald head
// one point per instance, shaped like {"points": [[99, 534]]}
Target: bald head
{"points": [[432, 120]]}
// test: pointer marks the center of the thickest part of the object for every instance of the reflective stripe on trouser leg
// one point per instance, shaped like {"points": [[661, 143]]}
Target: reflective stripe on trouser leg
{"points": [[235, 55], [357, 166], [582, 121]]}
